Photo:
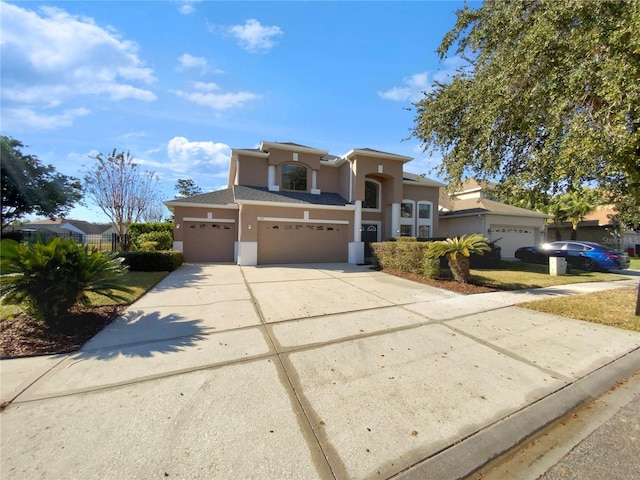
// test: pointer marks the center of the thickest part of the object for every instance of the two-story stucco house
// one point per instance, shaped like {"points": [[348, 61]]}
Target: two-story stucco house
{"points": [[287, 203]]}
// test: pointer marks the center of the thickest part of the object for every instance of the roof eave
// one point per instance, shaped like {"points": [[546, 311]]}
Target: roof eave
{"points": [[370, 153]]}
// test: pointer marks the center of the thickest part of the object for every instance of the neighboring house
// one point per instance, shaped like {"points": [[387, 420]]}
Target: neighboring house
{"points": [[596, 227], [471, 211], [79, 229], [288, 203]]}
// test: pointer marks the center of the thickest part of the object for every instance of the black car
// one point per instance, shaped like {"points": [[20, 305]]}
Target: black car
{"points": [[587, 256]]}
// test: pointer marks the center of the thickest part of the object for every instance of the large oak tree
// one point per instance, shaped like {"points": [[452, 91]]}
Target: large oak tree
{"points": [[547, 101]]}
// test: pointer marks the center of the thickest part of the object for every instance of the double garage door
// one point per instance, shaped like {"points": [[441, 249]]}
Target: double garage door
{"points": [[289, 242], [209, 242]]}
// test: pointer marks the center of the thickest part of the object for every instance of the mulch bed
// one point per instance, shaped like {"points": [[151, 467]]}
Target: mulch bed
{"points": [[446, 284], [22, 336]]}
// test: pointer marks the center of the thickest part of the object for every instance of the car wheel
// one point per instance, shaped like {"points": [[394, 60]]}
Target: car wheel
{"points": [[588, 265]]}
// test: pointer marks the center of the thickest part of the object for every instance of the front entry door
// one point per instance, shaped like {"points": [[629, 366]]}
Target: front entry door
{"points": [[369, 235]]}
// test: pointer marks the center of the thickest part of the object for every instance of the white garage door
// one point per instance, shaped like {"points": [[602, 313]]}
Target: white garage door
{"points": [[283, 242], [511, 238], [209, 242]]}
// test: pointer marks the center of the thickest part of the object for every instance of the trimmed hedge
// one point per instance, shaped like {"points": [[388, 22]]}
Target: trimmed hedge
{"points": [[408, 255], [165, 261]]}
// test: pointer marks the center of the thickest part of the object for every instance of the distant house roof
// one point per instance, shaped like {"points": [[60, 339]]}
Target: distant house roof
{"points": [[480, 206], [83, 226]]}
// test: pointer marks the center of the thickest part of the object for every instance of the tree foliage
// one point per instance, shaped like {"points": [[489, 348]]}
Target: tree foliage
{"points": [[29, 187], [187, 188], [548, 100], [122, 191]]}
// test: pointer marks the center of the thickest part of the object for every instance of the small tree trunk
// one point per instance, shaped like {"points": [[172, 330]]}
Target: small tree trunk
{"points": [[460, 268], [638, 302]]}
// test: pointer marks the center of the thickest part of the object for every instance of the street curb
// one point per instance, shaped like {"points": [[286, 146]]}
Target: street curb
{"points": [[463, 458]]}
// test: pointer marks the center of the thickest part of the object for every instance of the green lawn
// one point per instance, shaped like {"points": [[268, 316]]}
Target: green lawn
{"points": [[517, 276], [140, 282], [635, 263], [611, 307]]}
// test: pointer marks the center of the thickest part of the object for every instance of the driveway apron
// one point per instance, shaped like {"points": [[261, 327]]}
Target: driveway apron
{"points": [[295, 371]]}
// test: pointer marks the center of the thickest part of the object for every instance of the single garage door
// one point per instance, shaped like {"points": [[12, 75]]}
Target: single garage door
{"points": [[209, 242], [281, 242], [511, 238]]}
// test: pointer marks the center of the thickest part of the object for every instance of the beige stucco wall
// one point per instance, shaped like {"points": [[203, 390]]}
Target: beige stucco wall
{"points": [[369, 166], [453, 227], [252, 171], [199, 212], [278, 157], [327, 179]]}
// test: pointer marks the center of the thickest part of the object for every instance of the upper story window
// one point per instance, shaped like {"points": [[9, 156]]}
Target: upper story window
{"points": [[371, 195], [424, 210], [406, 209], [294, 177], [425, 219]]}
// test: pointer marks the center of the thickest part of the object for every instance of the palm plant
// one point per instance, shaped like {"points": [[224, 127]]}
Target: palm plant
{"points": [[457, 251], [578, 204], [51, 277]]}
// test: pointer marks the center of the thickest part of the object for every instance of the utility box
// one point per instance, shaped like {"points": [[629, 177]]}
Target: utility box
{"points": [[557, 266]]}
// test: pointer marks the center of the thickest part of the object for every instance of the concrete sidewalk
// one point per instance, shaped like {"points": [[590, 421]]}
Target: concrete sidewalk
{"points": [[313, 371]]}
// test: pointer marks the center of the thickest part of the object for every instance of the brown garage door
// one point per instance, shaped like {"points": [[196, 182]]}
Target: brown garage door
{"points": [[209, 242], [281, 242]]}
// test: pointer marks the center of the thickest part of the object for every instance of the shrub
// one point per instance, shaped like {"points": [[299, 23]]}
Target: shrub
{"points": [[430, 267], [51, 277], [405, 254], [165, 261], [163, 240], [161, 232]]}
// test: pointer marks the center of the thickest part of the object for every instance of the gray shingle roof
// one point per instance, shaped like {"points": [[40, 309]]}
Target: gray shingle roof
{"points": [[219, 197], [419, 179], [262, 194], [484, 205]]}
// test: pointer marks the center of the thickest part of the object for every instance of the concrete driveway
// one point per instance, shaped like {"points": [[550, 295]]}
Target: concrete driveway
{"points": [[304, 371]]}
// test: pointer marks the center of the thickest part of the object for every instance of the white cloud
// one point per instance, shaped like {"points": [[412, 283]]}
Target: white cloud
{"points": [[415, 86], [51, 57], [186, 61], [255, 37], [25, 119], [186, 7], [210, 95], [209, 158]]}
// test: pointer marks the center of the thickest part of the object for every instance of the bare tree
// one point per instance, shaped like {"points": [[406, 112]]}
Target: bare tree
{"points": [[122, 191]]}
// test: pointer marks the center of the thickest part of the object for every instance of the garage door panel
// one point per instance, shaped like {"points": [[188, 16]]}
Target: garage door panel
{"points": [[209, 242], [511, 238], [281, 242]]}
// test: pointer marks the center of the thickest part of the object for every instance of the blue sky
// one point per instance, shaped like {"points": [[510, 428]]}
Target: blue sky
{"points": [[180, 83]]}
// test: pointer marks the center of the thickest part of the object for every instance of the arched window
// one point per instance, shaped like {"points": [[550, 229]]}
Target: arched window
{"points": [[294, 177], [371, 195]]}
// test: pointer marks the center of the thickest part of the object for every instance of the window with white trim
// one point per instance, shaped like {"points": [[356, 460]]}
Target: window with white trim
{"points": [[407, 218], [425, 219], [372, 191]]}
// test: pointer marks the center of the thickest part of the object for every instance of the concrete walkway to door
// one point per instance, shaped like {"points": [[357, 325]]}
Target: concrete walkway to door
{"points": [[304, 372]]}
